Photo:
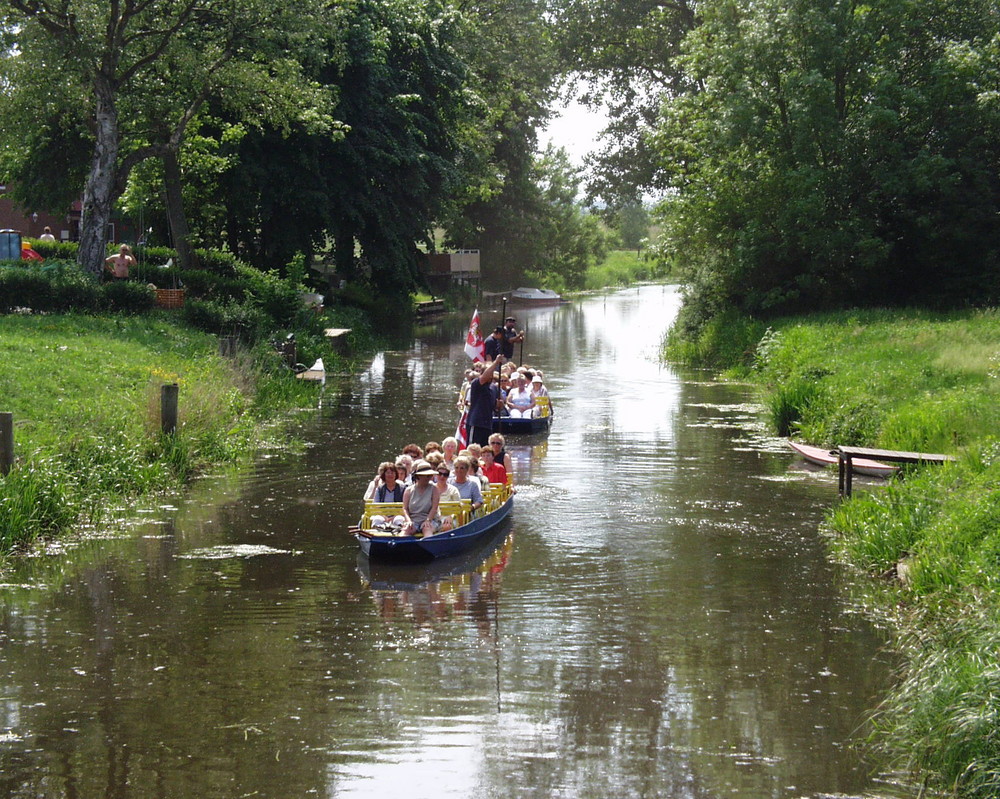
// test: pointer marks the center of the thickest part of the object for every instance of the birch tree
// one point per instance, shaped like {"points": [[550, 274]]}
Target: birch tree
{"points": [[143, 69]]}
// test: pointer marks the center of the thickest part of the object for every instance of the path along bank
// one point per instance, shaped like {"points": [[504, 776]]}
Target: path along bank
{"points": [[920, 381], [84, 392]]}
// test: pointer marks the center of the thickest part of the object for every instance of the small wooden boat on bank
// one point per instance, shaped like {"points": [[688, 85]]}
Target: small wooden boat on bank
{"points": [[534, 298], [472, 529], [822, 457]]}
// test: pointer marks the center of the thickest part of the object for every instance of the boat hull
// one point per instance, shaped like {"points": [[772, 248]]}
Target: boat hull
{"points": [[526, 297], [413, 576], [525, 427], [405, 549], [821, 457], [531, 302]]}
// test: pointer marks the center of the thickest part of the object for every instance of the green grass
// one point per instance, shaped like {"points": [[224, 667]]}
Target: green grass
{"points": [[84, 392], [622, 268], [942, 720], [909, 380]]}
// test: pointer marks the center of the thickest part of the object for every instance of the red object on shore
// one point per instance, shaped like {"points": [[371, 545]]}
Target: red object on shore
{"points": [[28, 254]]}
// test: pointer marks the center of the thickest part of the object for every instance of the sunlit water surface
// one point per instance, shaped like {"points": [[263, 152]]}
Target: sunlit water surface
{"points": [[657, 618]]}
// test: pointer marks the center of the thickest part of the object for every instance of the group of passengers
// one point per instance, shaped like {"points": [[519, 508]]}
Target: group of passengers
{"points": [[423, 478], [517, 389]]}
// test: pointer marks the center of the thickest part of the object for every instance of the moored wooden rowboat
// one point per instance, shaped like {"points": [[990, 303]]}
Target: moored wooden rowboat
{"points": [[473, 528], [534, 297], [823, 457]]}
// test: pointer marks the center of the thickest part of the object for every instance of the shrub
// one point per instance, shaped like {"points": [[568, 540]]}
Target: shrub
{"points": [[128, 297], [154, 255], [23, 288], [245, 319], [54, 249], [358, 295], [76, 292], [788, 403], [202, 283], [219, 262], [726, 340]]}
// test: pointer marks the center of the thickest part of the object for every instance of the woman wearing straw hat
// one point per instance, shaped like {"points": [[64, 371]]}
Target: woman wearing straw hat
{"points": [[420, 502]]}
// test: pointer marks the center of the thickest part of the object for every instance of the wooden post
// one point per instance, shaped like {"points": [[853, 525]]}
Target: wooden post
{"points": [[168, 408], [227, 346], [6, 442]]}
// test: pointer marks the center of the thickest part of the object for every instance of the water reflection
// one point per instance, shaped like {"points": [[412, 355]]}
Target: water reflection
{"points": [[462, 588]]}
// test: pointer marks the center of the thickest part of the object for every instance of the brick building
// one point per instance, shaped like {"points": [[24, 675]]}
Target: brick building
{"points": [[65, 227]]}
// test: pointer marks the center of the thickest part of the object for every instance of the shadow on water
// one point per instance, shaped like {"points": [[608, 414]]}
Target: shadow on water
{"points": [[657, 618]]}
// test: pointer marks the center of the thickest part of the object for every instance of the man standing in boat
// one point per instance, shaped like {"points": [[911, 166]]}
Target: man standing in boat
{"points": [[483, 394], [511, 336], [495, 343]]}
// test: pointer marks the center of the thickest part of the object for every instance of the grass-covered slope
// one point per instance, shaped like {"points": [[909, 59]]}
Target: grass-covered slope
{"points": [[85, 395]]}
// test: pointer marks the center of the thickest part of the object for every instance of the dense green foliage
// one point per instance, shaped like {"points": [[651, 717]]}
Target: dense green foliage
{"points": [[625, 57], [513, 70], [919, 381], [837, 154], [810, 154], [128, 80], [60, 286], [632, 222], [558, 239], [223, 296], [352, 131], [375, 192]]}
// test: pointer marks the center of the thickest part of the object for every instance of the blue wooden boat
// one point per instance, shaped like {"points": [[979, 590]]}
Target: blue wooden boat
{"points": [[509, 425], [492, 552], [524, 427], [387, 546]]}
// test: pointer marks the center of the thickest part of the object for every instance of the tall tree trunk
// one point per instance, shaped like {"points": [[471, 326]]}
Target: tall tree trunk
{"points": [[179, 230], [99, 191], [343, 253]]}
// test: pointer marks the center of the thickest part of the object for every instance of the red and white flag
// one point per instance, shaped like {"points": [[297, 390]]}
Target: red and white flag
{"points": [[475, 347], [460, 430]]}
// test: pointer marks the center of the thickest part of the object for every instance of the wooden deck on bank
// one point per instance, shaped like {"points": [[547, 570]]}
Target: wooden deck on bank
{"points": [[846, 456]]}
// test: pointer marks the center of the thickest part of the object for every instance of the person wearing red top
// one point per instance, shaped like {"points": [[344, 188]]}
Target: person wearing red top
{"points": [[493, 470]]}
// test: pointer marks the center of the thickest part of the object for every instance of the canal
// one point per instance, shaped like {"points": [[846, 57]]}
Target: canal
{"points": [[657, 618]]}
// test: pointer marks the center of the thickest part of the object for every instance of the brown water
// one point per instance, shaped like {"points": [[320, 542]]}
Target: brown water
{"points": [[657, 618]]}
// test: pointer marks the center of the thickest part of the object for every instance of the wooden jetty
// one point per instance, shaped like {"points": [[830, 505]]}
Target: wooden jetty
{"points": [[429, 309], [846, 456]]}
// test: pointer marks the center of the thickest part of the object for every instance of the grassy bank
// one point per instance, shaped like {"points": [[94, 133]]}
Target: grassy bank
{"points": [[931, 541], [622, 268], [84, 392]]}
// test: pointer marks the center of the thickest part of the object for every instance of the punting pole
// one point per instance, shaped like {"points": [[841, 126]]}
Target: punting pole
{"points": [[503, 316]]}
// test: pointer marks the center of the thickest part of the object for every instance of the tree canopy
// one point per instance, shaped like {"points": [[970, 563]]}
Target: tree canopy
{"points": [[130, 77], [356, 129], [810, 153]]}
